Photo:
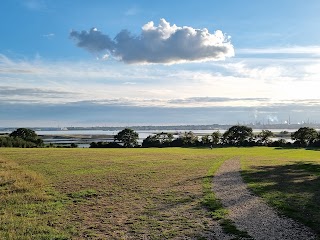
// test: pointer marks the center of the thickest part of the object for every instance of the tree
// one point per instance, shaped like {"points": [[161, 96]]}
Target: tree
{"points": [[24, 133], [128, 137], [28, 135], [280, 143], [264, 137], [178, 142], [216, 137], [164, 138], [151, 141], [158, 140], [238, 136], [105, 145], [304, 136], [189, 139], [206, 139]]}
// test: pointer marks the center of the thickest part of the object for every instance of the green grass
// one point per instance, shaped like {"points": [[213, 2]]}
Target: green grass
{"points": [[289, 180], [123, 193], [143, 193], [229, 227], [28, 209]]}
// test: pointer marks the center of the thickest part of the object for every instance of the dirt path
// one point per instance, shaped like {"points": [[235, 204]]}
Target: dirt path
{"points": [[249, 212]]}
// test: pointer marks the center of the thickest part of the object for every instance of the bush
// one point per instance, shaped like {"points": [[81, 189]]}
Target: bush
{"points": [[105, 145], [8, 141], [279, 143]]}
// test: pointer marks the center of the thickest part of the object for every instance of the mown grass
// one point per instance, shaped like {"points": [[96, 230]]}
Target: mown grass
{"points": [[28, 209], [289, 180], [125, 193], [143, 193]]}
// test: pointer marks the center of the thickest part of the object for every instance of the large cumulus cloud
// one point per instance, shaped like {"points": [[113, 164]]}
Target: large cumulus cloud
{"points": [[164, 43]]}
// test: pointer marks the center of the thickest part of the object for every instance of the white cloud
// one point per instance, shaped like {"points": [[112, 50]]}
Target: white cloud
{"points": [[49, 35], [311, 50], [237, 79], [129, 83], [164, 43], [12, 94], [255, 72], [252, 89]]}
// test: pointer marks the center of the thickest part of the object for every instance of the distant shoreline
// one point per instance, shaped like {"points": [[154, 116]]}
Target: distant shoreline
{"points": [[213, 127]]}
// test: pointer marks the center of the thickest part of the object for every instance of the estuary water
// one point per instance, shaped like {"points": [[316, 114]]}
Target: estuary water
{"points": [[83, 138]]}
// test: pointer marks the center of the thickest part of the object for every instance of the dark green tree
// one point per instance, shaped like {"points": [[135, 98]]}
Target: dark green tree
{"points": [[24, 133], [164, 138], [151, 141], [158, 140], [128, 137], [265, 137], [189, 139], [304, 136], [73, 145], [206, 140], [28, 135], [216, 136], [238, 136]]}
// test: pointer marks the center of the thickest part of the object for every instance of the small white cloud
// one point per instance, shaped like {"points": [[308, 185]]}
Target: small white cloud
{"points": [[130, 83], [292, 50], [49, 35], [164, 43]]}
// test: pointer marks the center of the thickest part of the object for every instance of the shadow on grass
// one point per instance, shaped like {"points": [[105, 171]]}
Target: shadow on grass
{"points": [[293, 189], [313, 149], [294, 147]]}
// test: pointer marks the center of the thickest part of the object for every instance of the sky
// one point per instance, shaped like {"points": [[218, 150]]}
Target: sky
{"points": [[124, 63]]}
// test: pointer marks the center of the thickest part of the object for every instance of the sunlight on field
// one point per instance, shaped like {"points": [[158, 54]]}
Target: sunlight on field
{"points": [[289, 180], [126, 193], [136, 193]]}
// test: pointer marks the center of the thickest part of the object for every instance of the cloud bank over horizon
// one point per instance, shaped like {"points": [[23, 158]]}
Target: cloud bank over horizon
{"points": [[93, 113], [164, 43]]}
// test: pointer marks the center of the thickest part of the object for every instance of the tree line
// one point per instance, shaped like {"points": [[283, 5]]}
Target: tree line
{"points": [[235, 136]]}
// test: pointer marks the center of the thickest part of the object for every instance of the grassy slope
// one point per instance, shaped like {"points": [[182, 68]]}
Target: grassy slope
{"points": [[28, 208], [289, 179], [123, 193], [130, 193]]}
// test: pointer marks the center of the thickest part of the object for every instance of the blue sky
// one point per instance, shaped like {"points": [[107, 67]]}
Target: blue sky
{"points": [[192, 62]]}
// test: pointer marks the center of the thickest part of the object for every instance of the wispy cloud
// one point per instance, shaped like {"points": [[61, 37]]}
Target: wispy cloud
{"points": [[129, 83], [236, 82], [92, 113], [164, 43], [217, 100], [49, 35], [11, 95], [16, 67], [291, 51], [11, 91]]}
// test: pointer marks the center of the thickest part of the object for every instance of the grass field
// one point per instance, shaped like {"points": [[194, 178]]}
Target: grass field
{"points": [[141, 193]]}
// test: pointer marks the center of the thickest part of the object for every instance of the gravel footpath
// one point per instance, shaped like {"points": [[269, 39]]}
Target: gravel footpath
{"points": [[249, 212]]}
